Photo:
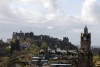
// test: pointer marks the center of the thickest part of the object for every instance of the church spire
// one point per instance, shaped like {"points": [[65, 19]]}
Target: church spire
{"points": [[85, 29]]}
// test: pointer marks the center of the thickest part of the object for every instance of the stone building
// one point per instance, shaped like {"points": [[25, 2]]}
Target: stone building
{"points": [[86, 47], [2, 48], [49, 40], [24, 45], [22, 36], [15, 45]]}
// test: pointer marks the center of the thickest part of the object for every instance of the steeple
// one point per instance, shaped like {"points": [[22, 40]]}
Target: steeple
{"points": [[85, 30]]}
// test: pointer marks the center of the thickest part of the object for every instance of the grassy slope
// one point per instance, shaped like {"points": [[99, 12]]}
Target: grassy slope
{"points": [[96, 57]]}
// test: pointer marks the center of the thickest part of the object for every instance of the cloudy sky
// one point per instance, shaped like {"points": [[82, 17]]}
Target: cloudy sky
{"points": [[57, 18]]}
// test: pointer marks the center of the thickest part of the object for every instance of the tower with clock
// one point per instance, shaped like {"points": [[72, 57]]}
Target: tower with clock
{"points": [[86, 40], [86, 47]]}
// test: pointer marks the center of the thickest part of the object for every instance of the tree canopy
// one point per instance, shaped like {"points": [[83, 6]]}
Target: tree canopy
{"points": [[44, 45]]}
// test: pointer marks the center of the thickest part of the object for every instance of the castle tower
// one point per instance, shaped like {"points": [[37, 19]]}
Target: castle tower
{"points": [[14, 35], [86, 40]]}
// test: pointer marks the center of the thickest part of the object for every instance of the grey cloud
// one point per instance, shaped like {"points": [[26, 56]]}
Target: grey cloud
{"points": [[90, 11], [16, 19]]}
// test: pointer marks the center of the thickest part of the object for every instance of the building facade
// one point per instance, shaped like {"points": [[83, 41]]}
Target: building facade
{"points": [[2, 48], [15, 45], [86, 47]]}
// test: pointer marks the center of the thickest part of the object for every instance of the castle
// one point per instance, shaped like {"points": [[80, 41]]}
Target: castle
{"points": [[51, 41], [77, 58]]}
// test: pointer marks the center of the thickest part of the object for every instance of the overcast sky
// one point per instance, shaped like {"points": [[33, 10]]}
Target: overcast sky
{"points": [[57, 18]]}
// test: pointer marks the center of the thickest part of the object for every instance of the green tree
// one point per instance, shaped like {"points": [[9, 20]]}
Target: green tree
{"points": [[47, 55], [8, 50], [5, 62], [16, 53], [44, 45], [28, 40], [13, 40], [23, 52], [26, 49], [34, 49], [32, 46]]}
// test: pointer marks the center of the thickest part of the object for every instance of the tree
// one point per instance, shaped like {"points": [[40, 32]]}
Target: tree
{"points": [[5, 62], [8, 50], [28, 40], [26, 49], [16, 53], [47, 55], [13, 40], [34, 49], [44, 45], [23, 52]]}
